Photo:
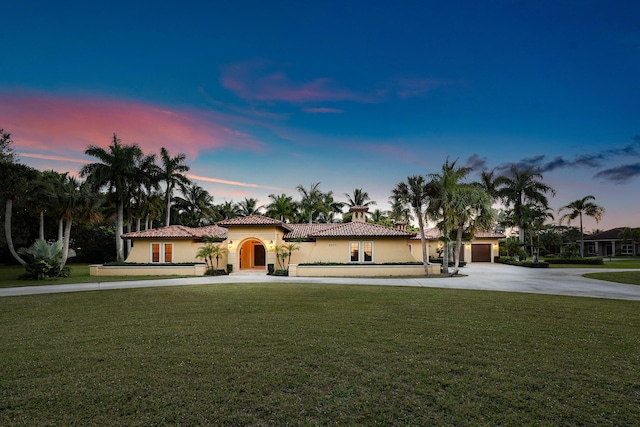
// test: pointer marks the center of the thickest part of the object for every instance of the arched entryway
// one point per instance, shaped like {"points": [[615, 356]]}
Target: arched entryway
{"points": [[253, 255]]}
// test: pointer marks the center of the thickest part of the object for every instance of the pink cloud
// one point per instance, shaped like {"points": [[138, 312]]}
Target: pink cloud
{"points": [[323, 110], [235, 183], [58, 124], [252, 81]]}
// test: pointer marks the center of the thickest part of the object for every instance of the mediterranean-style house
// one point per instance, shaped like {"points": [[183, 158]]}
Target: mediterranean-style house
{"points": [[355, 248]]}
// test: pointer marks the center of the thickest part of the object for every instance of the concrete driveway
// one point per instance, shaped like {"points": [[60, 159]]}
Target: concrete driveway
{"points": [[480, 276]]}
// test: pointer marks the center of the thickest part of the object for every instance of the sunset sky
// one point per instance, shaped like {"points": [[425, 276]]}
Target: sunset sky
{"points": [[263, 96]]}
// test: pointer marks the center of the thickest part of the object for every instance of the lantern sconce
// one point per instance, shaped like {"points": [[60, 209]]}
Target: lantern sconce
{"points": [[271, 245], [230, 244]]}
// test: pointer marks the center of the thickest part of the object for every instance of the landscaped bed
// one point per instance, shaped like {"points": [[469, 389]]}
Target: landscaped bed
{"points": [[276, 354]]}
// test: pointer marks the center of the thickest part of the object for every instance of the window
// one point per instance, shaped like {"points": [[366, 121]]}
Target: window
{"points": [[368, 251], [155, 252], [162, 252], [361, 251], [168, 252], [355, 251], [627, 249]]}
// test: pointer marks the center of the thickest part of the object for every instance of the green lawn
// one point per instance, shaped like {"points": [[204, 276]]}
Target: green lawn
{"points": [[277, 354], [624, 263], [79, 274], [628, 277]]}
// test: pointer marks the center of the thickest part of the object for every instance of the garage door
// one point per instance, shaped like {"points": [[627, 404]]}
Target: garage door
{"points": [[481, 252]]}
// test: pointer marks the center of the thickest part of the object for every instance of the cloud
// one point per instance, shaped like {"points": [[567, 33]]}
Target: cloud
{"points": [[323, 110], [591, 160], [235, 183], [619, 174], [258, 81], [61, 124], [476, 163], [54, 158]]}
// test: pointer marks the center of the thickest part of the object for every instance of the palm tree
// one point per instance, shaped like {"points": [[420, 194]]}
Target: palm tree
{"points": [[249, 207], [630, 235], [78, 203], [522, 187], [226, 210], [172, 174], [282, 207], [6, 151], [329, 207], [415, 193], [195, 206], [311, 201], [488, 183], [448, 202], [117, 171], [580, 207]]}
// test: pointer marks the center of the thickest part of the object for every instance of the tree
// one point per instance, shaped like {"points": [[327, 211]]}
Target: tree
{"points": [[6, 150], [117, 171], [329, 207], [577, 209], [16, 181], [172, 174], [249, 206], [209, 251], [195, 207], [311, 201], [447, 201], [282, 207], [414, 193], [520, 187], [78, 203]]}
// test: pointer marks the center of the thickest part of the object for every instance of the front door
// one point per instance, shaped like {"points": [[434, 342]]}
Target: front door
{"points": [[252, 255]]}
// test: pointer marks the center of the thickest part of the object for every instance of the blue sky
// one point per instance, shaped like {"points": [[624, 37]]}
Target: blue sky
{"points": [[263, 96]]}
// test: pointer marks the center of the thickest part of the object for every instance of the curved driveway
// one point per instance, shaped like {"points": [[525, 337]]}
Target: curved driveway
{"points": [[486, 277]]}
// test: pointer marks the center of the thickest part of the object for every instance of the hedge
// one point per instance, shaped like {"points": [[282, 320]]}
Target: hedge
{"points": [[587, 261]]}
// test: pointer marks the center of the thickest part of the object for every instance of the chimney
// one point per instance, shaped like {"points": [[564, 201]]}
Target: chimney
{"points": [[401, 225], [359, 213]]}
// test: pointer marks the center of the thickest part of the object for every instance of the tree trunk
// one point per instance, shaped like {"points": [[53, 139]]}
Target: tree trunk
{"points": [[65, 244], [423, 241], [456, 252], [445, 257], [581, 239], [119, 232], [7, 231], [167, 220], [60, 229], [41, 228]]}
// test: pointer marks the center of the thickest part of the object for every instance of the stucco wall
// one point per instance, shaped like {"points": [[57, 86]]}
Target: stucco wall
{"points": [[239, 235], [432, 248], [359, 270], [338, 250], [150, 270]]}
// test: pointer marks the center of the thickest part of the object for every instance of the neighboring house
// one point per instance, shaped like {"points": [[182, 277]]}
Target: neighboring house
{"points": [[608, 243], [335, 249]]}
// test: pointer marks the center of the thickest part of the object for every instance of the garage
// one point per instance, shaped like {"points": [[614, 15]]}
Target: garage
{"points": [[481, 252]]}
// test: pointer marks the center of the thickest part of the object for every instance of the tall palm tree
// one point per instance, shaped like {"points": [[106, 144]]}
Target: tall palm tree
{"points": [[195, 206], [577, 209], [282, 207], [249, 206], [329, 207], [519, 187], [78, 203], [226, 210], [415, 193], [359, 198], [488, 183], [117, 171], [172, 174], [447, 203]]}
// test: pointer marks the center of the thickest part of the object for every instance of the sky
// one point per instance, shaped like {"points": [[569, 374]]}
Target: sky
{"points": [[265, 96]]}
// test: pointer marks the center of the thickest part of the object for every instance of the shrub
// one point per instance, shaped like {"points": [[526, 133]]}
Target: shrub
{"points": [[214, 272], [451, 263], [529, 264], [572, 250]]}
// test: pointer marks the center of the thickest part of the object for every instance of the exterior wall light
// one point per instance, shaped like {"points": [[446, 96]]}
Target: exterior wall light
{"points": [[230, 244], [271, 244]]}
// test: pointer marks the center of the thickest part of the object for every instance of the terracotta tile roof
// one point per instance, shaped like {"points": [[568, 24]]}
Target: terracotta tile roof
{"points": [[611, 234], [359, 229], [434, 234], [253, 220], [301, 231], [178, 232]]}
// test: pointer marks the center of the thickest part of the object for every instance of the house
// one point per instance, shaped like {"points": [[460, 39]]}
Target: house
{"points": [[483, 248], [355, 248], [608, 243]]}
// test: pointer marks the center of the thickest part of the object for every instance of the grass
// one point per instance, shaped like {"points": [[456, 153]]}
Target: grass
{"points": [[618, 263], [79, 274], [628, 277], [277, 354]]}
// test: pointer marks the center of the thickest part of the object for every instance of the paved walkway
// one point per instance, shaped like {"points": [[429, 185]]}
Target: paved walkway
{"points": [[487, 277]]}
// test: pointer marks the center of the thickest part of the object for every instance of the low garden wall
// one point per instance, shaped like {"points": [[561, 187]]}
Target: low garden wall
{"points": [[360, 270], [147, 270]]}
